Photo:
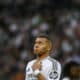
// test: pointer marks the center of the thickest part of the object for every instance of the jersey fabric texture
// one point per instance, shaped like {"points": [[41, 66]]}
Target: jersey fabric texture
{"points": [[51, 69]]}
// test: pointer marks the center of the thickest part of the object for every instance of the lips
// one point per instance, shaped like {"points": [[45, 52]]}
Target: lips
{"points": [[36, 50]]}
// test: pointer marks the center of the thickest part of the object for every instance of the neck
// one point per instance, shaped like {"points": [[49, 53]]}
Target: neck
{"points": [[42, 56]]}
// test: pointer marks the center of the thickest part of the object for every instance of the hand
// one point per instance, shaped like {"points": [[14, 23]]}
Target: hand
{"points": [[37, 65], [41, 77]]}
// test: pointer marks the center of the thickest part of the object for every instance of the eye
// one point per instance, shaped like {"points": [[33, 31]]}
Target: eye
{"points": [[40, 42]]}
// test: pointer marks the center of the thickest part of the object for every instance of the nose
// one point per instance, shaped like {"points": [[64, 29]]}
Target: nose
{"points": [[36, 46]]}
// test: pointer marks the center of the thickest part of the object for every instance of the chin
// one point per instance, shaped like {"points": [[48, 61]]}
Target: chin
{"points": [[36, 52]]}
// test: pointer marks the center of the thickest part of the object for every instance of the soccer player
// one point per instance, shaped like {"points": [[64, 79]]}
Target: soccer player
{"points": [[43, 67]]}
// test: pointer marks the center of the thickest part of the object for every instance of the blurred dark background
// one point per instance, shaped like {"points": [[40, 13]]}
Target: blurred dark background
{"points": [[22, 20]]}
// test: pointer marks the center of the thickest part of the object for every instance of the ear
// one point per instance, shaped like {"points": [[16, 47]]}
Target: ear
{"points": [[50, 46]]}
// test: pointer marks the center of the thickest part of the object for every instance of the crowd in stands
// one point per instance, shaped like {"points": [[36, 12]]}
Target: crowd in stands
{"points": [[22, 20]]}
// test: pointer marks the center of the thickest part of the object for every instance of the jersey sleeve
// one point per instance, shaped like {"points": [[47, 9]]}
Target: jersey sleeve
{"points": [[54, 72], [26, 77], [28, 71], [26, 74]]}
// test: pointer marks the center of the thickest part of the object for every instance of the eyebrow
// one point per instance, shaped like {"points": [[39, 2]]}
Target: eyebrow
{"points": [[37, 41]]}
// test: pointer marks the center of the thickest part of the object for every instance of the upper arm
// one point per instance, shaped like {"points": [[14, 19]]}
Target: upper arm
{"points": [[26, 74], [59, 72], [55, 72], [28, 71]]}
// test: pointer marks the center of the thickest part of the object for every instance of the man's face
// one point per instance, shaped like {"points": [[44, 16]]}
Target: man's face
{"points": [[41, 46]]}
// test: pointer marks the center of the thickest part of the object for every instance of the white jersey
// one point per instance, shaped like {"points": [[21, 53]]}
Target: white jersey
{"points": [[51, 69]]}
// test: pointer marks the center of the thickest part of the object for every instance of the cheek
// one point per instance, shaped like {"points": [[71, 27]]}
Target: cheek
{"points": [[43, 47]]}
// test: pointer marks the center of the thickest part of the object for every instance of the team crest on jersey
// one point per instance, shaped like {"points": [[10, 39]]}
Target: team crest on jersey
{"points": [[28, 69], [53, 75]]}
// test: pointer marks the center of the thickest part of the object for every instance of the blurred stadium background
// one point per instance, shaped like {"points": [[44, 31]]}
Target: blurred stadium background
{"points": [[22, 20]]}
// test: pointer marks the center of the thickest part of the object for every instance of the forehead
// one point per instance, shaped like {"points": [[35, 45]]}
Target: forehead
{"points": [[41, 40]]}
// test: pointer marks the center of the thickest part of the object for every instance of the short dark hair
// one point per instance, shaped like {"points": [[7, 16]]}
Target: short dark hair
{"points": [[43, 36], [46, 37]]}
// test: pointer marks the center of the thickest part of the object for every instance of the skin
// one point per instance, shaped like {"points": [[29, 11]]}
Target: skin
{"points": [[42, 48], [75, 71]]}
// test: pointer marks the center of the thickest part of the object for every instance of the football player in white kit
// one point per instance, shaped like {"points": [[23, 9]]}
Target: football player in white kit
{"points": [[43, 67]]}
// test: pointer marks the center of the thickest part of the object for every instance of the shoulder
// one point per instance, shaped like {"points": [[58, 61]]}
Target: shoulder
{"points": [[29, 67], [53, 60], [55, 63], [30, 63]]}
